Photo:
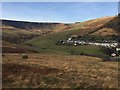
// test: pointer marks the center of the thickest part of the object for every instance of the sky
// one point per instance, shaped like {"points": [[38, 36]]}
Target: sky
{"points": [[64, 12], [60, 0]]}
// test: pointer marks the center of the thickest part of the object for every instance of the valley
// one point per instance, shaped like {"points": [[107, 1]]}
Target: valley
{"points": [[59, 66]]}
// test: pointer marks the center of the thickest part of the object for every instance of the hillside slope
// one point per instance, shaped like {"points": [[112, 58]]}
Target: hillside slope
{"points": [[45, 41], [101, 26], [58, 71], [33, 25]]}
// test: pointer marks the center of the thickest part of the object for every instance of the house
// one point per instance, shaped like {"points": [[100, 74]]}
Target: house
{"points": [[61, 42], [118, 48], [116, 51], [69, 39], [74, 36], [113, 54]]}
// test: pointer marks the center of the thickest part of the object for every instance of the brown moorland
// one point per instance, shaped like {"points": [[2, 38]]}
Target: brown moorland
{"points": [[58, 71]]}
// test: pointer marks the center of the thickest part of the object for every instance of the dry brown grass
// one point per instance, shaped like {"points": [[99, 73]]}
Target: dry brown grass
{"points": [[105, 32], [94, 26], [53, 71]]}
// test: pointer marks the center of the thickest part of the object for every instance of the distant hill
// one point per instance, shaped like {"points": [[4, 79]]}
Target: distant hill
{"points": [[101, 26], [33, 25]]}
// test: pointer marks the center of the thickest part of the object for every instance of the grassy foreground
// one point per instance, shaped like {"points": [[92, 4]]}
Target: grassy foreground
{"points": [[58, 71]]}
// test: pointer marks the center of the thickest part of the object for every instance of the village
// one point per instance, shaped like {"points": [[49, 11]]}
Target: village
{"points": [[113, 45]]}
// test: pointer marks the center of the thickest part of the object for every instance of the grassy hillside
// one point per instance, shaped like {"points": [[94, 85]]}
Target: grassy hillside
{"points": [[63, 69], [58, 71], [102, 26], [58, 66], [15, 33], [12, 39], [33, 25], [47, 43], [114, 24], [18, 35], [8, 47]]}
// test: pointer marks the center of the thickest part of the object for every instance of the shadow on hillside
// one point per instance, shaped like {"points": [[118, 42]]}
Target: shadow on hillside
{"points": [[114, 24]]}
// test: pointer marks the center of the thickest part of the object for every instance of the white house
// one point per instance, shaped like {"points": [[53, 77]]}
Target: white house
{"points": [[117, 49], [113, 54]]}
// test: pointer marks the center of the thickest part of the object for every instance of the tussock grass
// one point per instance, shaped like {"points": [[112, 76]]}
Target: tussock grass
{"points": [[58, 71]]}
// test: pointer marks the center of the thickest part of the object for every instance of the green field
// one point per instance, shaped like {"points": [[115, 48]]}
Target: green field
{"points": [[47, 44]]}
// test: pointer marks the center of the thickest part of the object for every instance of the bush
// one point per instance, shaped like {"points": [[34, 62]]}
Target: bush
{"points": [[82, 53], [3, 55], [24, 56]]}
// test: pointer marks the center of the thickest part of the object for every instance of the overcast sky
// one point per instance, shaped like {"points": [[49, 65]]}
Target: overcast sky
{"points": [[67, 12]]}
